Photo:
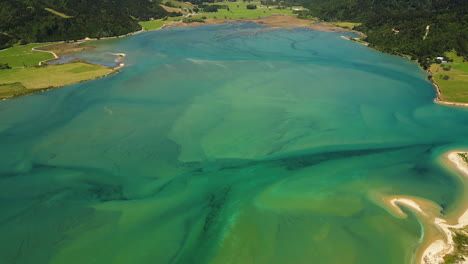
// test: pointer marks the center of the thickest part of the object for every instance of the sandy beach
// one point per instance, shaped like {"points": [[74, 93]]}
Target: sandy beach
{"points": [[438, 232], [118, 60]]}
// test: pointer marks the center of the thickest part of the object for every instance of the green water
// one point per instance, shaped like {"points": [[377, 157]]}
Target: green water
{"points": [[226, 144]]}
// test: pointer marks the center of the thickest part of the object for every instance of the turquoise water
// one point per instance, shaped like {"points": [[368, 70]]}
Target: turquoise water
{"points": [[226, 144]]}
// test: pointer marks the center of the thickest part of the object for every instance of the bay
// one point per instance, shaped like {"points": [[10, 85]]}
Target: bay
{"points": [[228, 143]]}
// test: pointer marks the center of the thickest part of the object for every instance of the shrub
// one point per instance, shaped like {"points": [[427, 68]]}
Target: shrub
{"points": [[446, 67], [193, 19], [4, 66]]}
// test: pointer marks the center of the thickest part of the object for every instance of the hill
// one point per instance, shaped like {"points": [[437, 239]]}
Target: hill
{"points": [[30, 21], [420, 29]]}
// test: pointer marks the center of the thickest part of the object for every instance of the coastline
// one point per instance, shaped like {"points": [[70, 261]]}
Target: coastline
{"points": [[438, 241], [437, 100], [51, 52], [272, 22], [439, 249], [276, 21], [30, 91]]}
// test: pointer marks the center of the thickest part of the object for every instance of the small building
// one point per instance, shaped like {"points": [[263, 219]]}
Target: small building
{"points": [[440, 58]]}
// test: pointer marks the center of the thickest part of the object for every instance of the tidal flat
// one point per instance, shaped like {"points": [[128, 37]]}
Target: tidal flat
{"points": [[229, 143]]}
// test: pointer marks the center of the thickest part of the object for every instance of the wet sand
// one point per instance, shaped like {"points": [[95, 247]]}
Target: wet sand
{"points": [[437, 240]]}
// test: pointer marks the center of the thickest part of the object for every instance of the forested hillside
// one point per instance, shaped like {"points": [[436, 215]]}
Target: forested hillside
{"points": [[51, 20], [400, 26]]}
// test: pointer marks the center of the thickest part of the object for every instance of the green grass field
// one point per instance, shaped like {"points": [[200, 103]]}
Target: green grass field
{"points": [[157, 23], [19, 56], [152, 25], [12, 90], [238, 10], [19, 81], [458, 62], [453, 83], [348, 25]]}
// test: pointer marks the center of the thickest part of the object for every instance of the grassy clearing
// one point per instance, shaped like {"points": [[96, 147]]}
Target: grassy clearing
{"points": [[62, 15], [238, 10], [348, 25], [157, 23], [19, 56], [179, 4], [12, 90], [452, 78], [15, 81], [152, 25], [458, 62], [174, 9], [453, 83]]}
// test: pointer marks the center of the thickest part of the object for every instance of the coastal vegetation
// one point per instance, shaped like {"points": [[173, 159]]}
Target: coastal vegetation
{"points": [[152, 25], [24, 56], [318, 153], [452, 78], [347, 25], [21, 81], [422, 30], [21, 74], [193, 19], [239, 10], [464, 156], [461, 247], [26, 21]]}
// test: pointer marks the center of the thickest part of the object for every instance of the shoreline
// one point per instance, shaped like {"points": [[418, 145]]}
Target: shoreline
{"points": [[437, 250], [113, 70], [51, 52], [437, 100], [437, 241], [276, 21], [118, 60], [272, 22]]}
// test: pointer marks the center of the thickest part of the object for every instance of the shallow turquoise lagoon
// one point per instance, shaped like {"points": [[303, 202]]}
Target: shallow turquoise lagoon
{"points": [[227, 144]]}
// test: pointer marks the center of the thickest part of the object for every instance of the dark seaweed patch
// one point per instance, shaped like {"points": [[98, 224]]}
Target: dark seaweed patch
{"points": [[216, 201], [105, 192], [302, 161]]}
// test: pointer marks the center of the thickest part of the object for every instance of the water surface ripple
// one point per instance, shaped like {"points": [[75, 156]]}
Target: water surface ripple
{"points": [[226, 144]]}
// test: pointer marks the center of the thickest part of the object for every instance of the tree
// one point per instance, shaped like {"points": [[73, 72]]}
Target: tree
{"points": [[4, 66]]}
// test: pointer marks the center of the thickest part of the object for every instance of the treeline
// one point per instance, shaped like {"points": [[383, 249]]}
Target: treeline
{"points": [[400, 26], [27, 21]]}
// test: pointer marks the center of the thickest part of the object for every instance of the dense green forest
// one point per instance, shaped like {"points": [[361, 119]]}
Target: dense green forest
{"points": [[399, 26], [422, 29], [51, 20]]}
